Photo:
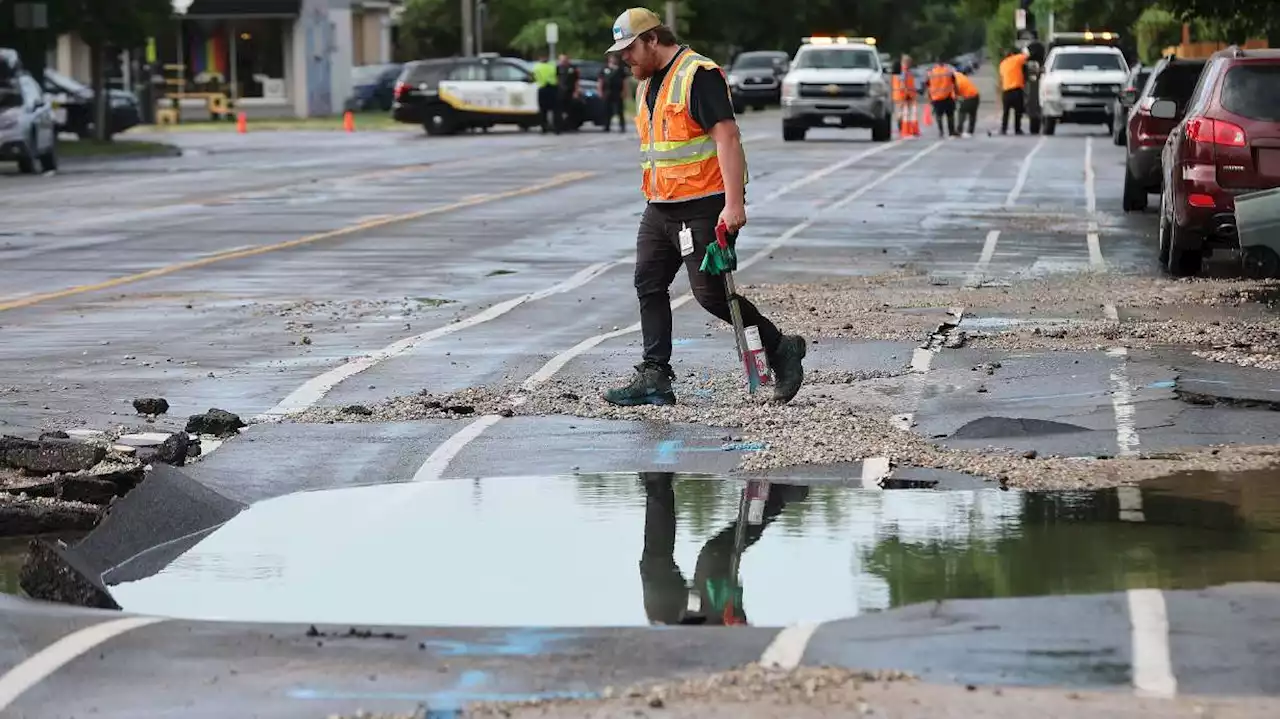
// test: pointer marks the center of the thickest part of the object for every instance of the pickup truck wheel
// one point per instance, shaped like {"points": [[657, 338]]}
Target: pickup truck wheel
{"points": [[1034, 125], [1050, 125], [792, 134], [883, 131]]}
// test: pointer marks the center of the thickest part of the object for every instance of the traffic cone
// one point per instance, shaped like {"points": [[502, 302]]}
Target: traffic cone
{"points": [[348, 121], [928, 115], [242, 123]]}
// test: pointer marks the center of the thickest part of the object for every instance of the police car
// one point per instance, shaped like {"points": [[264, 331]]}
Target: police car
{"points": [[449, 95], [836, 82], [1083, 75]]}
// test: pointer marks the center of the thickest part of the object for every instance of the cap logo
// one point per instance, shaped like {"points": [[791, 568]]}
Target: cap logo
{"points": [[617, 32]]}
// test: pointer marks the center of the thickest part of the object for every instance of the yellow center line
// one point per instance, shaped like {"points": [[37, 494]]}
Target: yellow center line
{"points": [[237, 254]]}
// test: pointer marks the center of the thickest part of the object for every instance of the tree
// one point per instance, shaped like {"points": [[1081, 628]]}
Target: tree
{"points": [[1236, 20], [106, 26], [1155, 30]]}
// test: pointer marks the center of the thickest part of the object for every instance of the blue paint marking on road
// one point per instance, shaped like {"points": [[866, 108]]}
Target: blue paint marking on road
{"points": [[446, 704], [1163, 384], [743, 447], [667, 451]]}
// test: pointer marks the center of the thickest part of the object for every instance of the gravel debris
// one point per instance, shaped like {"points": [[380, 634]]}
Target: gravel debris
{"points": [[464, 404]]}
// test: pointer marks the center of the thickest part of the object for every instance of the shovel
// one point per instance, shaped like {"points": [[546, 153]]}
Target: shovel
{"points": [[722, 260]]}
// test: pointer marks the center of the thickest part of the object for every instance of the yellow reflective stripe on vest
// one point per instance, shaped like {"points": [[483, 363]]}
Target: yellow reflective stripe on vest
{"points": [[670, 154], [684, 77]]}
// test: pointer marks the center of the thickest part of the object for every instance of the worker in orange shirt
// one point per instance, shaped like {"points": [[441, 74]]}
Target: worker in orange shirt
{"points": [[942, 93], [905, 95], [1013, 80], [968, 94]]}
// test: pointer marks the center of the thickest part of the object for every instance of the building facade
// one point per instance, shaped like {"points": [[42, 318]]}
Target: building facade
{"points": [[271, 57]]}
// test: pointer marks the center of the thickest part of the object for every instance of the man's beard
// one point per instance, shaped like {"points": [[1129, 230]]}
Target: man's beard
{"points": [[641, 72]]}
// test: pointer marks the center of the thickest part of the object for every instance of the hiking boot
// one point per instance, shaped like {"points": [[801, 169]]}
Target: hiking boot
{"points": [[788, 368], [651, 385]]}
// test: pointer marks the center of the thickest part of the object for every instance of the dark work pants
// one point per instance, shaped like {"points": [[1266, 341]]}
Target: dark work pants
{"points": [[547, 107], [969, 111], [613, 108], [1012, 101], [657, 262], [945, 109]]}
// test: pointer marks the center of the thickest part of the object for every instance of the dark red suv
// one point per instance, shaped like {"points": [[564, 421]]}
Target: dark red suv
{"points": [[1228, 144], [1171, 79]]}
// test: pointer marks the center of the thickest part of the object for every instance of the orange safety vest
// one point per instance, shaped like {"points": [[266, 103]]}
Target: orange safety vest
{"points": [[942, 83], [965, 87], [678, 156], [904, 87]]}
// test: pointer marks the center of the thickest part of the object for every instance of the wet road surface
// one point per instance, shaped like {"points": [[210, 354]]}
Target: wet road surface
{"points": [[284, 274]]}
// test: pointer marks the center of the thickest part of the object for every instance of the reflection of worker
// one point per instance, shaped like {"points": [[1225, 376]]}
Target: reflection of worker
{"points": [[967, 92], [715, 596], [942, 93], [1012, 83], [905, 95], [544, 74]]}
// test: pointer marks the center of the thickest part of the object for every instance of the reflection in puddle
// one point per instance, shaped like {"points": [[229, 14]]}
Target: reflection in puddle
{"points": [[661, 548]]}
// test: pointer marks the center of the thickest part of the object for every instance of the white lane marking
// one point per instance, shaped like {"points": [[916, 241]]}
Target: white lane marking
{"points": [[1110, 312], [1090, 195], [921, 363], [1023, 172], [1152, 661], [1130, 499], [787, 648], [45, 662], [438, 462], [1122, 404], [1094, 240], [874, 469], [921, 359], [979, 271], [313, 390]]}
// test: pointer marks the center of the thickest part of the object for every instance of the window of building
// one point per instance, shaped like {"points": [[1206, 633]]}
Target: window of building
{"points": [[242, 57]]}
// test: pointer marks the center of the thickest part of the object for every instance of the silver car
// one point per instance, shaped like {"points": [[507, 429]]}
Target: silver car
{"points": [[28, 133]]}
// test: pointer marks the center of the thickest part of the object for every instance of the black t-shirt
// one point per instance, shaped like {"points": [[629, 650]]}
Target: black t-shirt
{"points": [[567, 77], [709, 104], [614, 79]]}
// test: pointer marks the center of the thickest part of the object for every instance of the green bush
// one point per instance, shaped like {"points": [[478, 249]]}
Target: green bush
{"points": [[1156, 29]]}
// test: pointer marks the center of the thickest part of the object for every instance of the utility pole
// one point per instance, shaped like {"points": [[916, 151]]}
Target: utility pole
{"points": [[468, 28], [671, 15], [482, 10]]}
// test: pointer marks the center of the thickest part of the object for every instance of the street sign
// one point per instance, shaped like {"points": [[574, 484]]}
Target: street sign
{"points": [[1020, 19], [553, 33]]}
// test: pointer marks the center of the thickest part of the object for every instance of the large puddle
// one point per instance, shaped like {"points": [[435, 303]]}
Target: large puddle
{"points": [[659, 548]]}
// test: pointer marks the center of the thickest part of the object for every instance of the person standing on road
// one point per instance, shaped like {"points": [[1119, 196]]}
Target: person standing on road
{"points": [[942, 94], [905, 97], [1013, 80], [969, 101], [567, 77], [544, 75], [613, 79], [694, 177]]}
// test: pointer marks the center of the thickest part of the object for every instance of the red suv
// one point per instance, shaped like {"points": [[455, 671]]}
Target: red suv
{"points": [[1228, 144], [1171, 79]]}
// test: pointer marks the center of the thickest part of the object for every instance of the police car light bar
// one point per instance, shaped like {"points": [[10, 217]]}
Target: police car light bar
{"points": [[839, 40], [1086, 36]]}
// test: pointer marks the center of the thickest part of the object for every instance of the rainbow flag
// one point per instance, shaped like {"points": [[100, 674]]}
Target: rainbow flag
{"points": [[210, 56]]}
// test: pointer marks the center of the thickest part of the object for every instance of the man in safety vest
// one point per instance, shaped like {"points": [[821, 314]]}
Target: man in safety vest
{"points": [[905, 94], [544, 75], [942, 95], [694, 177], [969, 99], [1012, 81]]}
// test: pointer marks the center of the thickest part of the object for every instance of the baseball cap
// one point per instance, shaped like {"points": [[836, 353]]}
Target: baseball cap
{"points": [[630, 25]]}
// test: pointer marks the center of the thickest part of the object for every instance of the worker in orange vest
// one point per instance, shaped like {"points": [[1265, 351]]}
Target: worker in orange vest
{"points": [[694, 177], [1012, 81], [969, 99], [942, 94], [905, 95]]}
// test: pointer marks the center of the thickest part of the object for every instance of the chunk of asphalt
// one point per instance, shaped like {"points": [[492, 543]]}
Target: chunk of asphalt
{"points": [[151, 405], [27, 517], [1003, 427], [50, 456], [217, 422], [88, 490], [1212, 399], [51, 573]]}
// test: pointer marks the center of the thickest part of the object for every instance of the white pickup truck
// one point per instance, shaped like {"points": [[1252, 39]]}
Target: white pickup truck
{"points": [[1080, 84]]}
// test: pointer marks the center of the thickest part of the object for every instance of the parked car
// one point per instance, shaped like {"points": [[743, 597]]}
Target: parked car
{"points": [[1227, 144], [1128, 97], [590, 106], [448, 95], [755, 79], [373, 86], [74, 108], [1171, 79], [27, 130]]}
